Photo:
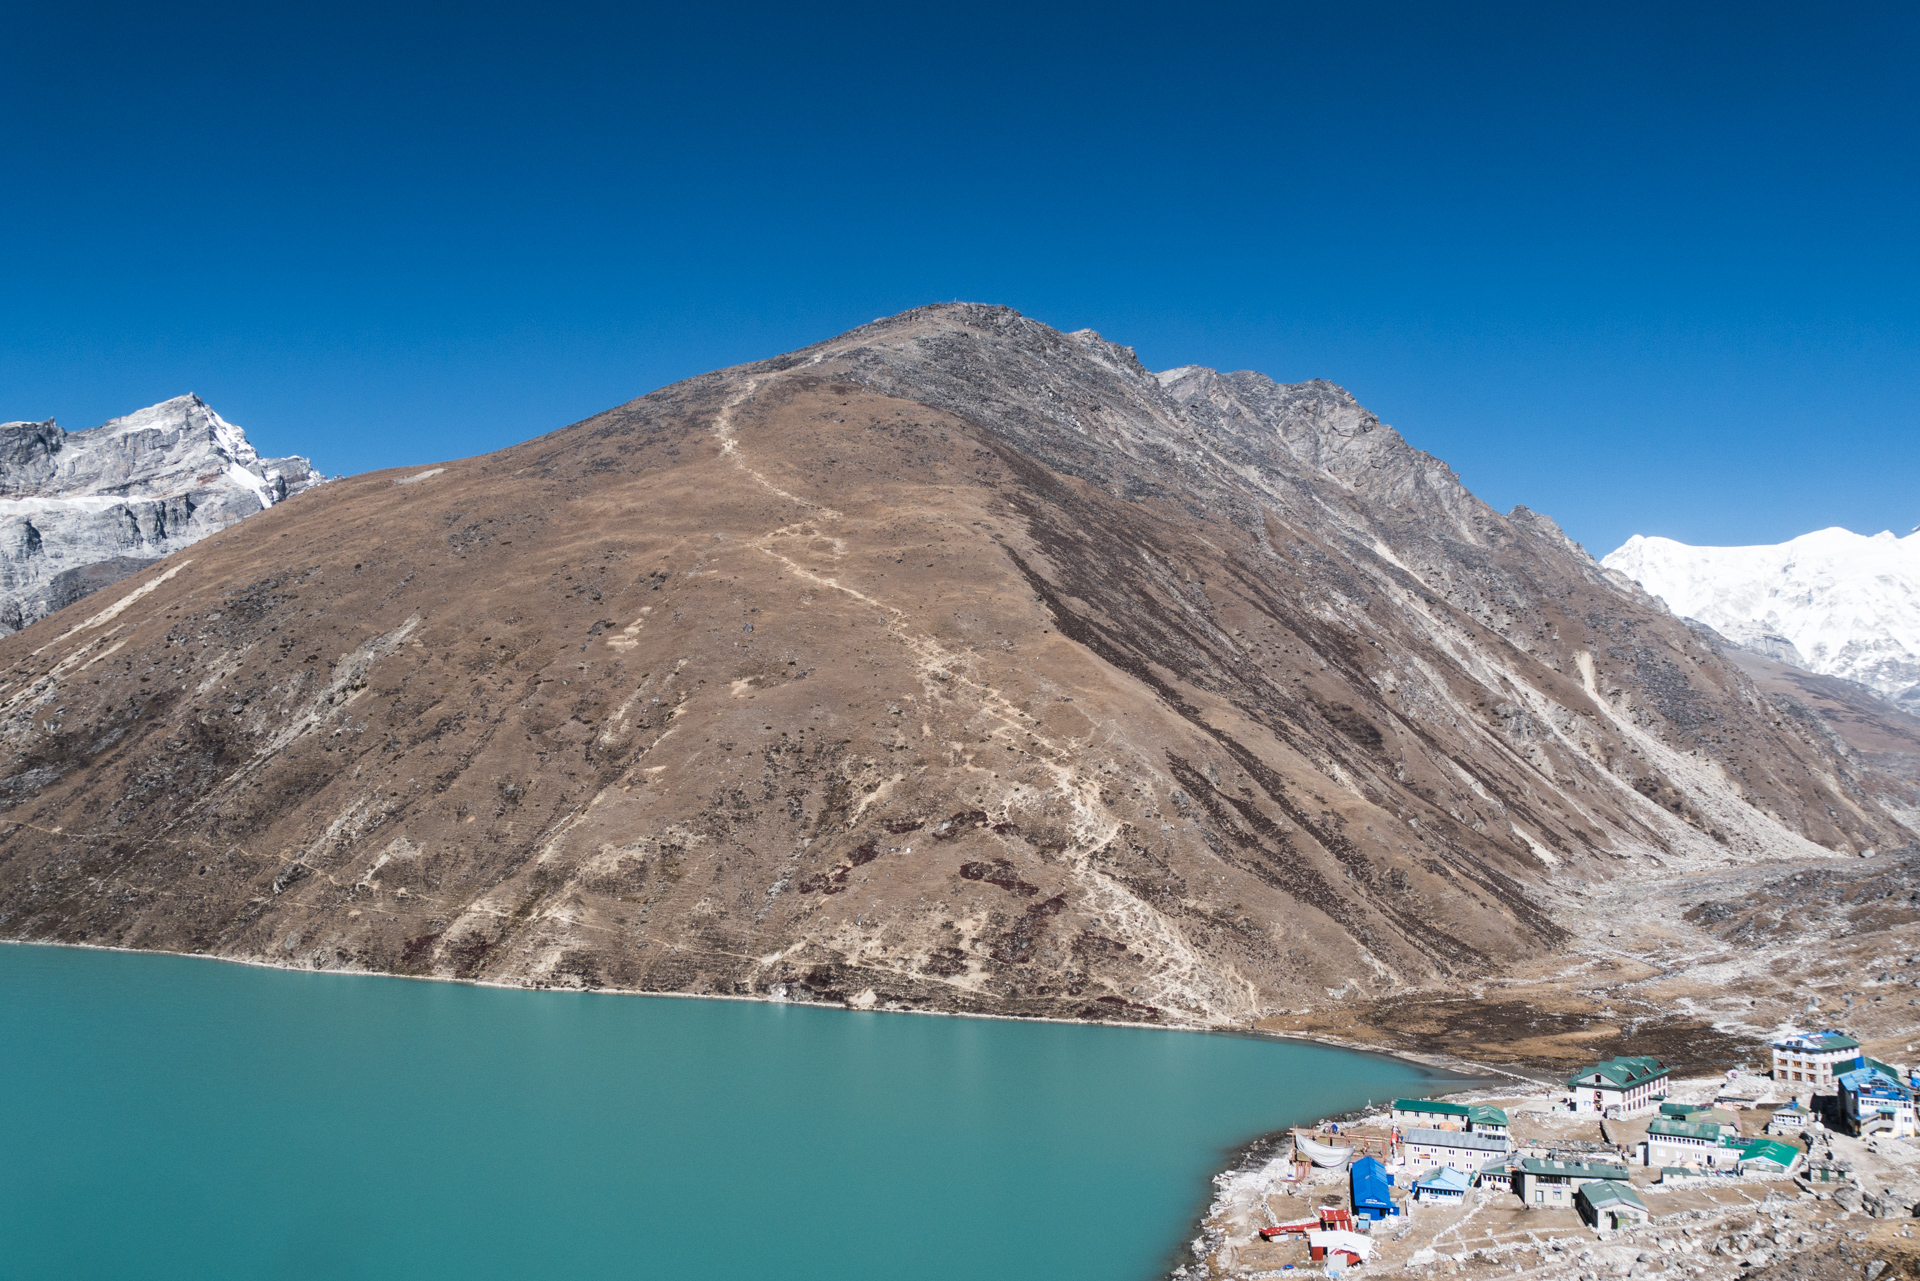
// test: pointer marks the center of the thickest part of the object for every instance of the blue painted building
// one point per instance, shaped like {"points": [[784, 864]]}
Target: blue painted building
{"points": [[1875, 1099], [1446, 1186], [1372, 1189]]}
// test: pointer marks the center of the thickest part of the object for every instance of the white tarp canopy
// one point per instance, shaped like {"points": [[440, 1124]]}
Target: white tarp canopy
{"points": [[1324, 1155], [1335, 1239]]}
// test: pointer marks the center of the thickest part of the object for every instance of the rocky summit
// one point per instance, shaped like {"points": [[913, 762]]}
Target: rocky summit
{"points": [[955, 663], [82, 510]]}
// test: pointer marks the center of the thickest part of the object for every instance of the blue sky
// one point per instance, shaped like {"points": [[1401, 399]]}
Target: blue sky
{"points": [[1646, 269]]}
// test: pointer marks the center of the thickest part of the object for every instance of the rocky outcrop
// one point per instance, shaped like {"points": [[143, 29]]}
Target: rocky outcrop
{"points": [[955, 663], [82, 510]]}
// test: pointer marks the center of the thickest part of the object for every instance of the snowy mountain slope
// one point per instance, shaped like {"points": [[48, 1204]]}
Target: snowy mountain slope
{"points": [[84, 509], [1832, 602]]}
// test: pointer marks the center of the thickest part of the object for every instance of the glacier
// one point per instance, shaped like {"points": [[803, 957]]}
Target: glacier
{"points": [[1832, 602]]}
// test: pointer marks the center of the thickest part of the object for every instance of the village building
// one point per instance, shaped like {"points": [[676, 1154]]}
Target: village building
{"points": [[1814, 1058], [1551, 1184], [1728, 1122], [1687, 1143], [1430, 1115], [1823, 1170], [1626, 1085], [1339, 1248], [1292, 1230], [1484, 1118], [1789, 1120], [1445, 1186], [1449, 1149], [1496, 1176], [1578, 1151], [1371, 1188], [1769, 1158], [1874, 1099], [1607, 1204]]}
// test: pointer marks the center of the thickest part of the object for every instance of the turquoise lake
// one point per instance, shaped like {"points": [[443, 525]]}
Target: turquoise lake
{"points": [[173, 1117]]}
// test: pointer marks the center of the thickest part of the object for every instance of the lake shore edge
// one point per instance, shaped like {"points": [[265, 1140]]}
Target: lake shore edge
{"points": [[1419, 1058]]}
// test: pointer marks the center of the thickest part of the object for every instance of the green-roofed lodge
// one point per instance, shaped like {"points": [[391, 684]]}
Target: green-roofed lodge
{"points": [[1484, 1118], [1610, 1204], [1692, 1143], [1626, 1085], [1553, 1183], [1430, 1114], [1769, 1156]]}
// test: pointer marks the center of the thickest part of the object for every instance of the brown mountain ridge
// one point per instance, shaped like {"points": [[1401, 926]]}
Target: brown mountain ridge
{"points": [[956, 663]]}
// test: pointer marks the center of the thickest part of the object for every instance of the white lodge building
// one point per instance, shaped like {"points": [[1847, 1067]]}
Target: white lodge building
{"points": [[1688, 1143], [1450, 1149], [1625, 1085], [1814, 1057]]}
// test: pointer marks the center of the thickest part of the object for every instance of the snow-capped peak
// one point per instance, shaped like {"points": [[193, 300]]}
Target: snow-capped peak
{"points": [[127, 491], [1832, 601], [186, 415]]}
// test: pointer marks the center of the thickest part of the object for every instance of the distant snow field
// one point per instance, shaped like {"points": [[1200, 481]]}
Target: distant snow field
{"points": [[1833, 601]]}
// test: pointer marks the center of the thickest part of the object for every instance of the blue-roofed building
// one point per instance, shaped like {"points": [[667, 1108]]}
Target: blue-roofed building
{"points": [[1791, 1119], [1372, 1189], [1445, 1185], [1875, 1098]]}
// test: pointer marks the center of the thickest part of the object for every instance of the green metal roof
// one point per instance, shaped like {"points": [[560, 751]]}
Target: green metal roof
{"points": [[1487, 1114], [1620, 1071], [1817, 1043], [1784, 1154], [1697, 1112], [1683, 1129], [1573, 1169], [1430, 1106], [1605, 1192]]}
